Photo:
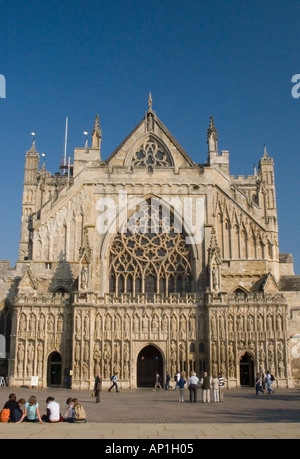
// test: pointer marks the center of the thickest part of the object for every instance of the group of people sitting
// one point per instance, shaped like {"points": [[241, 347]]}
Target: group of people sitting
{"points": [[22, 411]]}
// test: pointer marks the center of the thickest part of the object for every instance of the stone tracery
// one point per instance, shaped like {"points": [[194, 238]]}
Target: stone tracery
{"points": [[151, 257], [229, 313], [152, 154]]}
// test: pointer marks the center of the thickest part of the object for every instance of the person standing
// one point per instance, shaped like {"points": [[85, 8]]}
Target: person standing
{"points": [[269, 380], [177, 378], [168, 378], [157, 381], [206, 386], [98, 387], [215, 386], [193, 386], [258, 387], [221, 386], [114, 383], [181, 384]]}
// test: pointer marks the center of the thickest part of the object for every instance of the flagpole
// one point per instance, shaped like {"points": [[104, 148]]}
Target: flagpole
{"points": [[66, 140]]}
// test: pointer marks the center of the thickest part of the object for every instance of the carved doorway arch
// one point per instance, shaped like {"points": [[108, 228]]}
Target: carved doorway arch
{"points": [[149, 361], [246, 370], [54, 373]]}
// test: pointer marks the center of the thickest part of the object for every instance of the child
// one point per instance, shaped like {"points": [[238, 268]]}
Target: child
{"points": [[69, 414], [79, 412], [258, 387], [18, 412], [53, 411], [11, 405], [31, 412]]}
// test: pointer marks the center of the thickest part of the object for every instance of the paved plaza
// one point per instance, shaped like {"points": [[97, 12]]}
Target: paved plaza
{"points": [[149, 414]]}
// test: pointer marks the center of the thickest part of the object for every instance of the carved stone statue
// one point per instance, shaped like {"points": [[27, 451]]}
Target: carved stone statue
{"points": [[84, 278]]}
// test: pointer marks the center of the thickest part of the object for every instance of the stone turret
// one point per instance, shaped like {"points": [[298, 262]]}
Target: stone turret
{"points": [[214, 159], [85, 155], [268, 194], [97, 135], [32, 159]]}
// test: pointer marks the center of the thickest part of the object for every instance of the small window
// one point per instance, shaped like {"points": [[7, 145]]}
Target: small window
{"points": [[48, 266], [192, 348]]}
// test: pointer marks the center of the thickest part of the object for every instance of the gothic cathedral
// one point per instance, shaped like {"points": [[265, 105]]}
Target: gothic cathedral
{"points": [[145, 262]]}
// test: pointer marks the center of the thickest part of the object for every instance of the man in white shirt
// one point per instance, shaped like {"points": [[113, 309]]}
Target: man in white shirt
{"points": [[269, 380], [193, 386]]}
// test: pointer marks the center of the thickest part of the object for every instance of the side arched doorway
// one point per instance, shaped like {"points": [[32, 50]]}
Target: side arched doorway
{"points": [[3, 359], [54, 373], [247, 370], [149, 362]]}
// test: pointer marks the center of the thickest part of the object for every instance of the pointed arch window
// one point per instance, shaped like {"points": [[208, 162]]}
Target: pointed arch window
{"points": [[154, 259], [152, 154]]}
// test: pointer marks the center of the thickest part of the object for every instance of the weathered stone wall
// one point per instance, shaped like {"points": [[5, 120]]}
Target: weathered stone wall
{"points": [[244, 299]]}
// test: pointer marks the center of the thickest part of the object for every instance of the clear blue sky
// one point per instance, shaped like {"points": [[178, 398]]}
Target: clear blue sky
{"points": [[233, 59]]}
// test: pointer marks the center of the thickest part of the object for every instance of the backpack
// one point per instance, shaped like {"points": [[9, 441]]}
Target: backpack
{"points": [[111, 378], [4, 415], [80, 413], [272, 378]]}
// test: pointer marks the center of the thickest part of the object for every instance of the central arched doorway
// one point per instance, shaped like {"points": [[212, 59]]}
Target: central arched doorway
{"points": [[149, 362], [54, 369], [247, 370]]}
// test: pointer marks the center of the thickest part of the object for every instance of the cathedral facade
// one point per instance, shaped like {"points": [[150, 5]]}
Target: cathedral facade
{"points": [[148, 262]]}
